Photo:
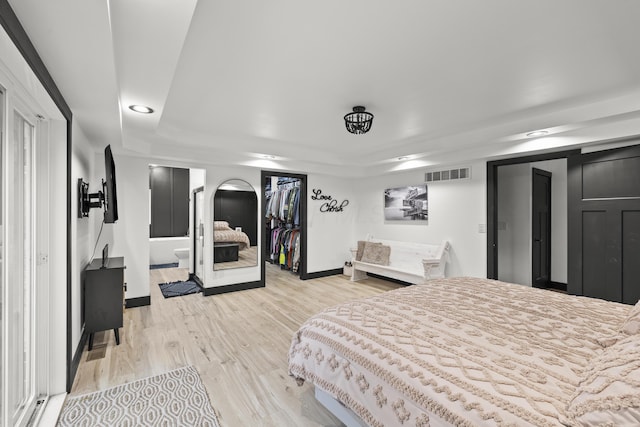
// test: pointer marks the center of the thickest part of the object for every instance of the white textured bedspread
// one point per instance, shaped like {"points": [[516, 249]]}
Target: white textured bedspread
{"points": [[460, 351], [233, 236]]}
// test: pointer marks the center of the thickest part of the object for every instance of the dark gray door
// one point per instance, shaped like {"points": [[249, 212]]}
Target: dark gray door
{"points": [[604, 224], [541, 229]]}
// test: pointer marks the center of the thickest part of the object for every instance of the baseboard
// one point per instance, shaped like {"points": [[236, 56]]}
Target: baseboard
{"points": [[559, 286], [75, 361], [389, 279], [138, 302], [325, 273], [232, 288]]}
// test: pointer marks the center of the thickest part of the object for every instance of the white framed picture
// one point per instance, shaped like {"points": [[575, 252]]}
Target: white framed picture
{"points": [[409, 203]]}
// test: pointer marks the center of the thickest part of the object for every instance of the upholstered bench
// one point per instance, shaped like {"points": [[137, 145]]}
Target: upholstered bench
{"points": [[406, 261]]}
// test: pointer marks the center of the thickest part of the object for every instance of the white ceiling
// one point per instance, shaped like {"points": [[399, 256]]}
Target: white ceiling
{"points": [[447, 80]]}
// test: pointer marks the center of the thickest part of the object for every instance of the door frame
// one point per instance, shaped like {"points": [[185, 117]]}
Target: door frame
{"points": [[492, 200], [547, 237], [18, 35], [192, 274]]}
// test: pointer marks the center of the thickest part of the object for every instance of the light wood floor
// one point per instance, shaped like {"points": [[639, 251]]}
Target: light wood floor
{"points": [[238, 342]]}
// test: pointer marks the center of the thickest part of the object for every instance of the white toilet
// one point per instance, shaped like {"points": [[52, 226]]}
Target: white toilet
{"points": [[183, 257]]}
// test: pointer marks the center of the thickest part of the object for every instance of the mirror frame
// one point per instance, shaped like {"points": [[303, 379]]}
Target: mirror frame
{"points": [[243, 227]]}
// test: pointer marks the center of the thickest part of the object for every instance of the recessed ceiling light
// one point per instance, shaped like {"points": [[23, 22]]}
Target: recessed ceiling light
{"points": [[401, 158], [143, 109], [268, 156], [537, 133]]}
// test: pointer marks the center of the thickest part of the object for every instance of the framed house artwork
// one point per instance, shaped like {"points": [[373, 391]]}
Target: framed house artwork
{"points": [[406, 203]]}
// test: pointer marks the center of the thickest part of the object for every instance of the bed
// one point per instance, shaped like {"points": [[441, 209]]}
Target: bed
{"points": [[474, 352], [222, 233]]}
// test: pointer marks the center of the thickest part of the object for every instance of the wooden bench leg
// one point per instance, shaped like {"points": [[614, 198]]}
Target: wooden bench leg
{"points": [[358, 275]]}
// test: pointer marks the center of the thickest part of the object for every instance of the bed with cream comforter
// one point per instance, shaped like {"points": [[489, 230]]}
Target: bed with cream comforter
{"points": [[458, 351]]}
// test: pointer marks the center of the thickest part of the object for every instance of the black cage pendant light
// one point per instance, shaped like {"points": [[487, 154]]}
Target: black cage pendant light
{"points": [[359, 121]]}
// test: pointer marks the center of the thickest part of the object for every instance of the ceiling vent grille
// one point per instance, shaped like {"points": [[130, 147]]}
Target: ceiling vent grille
{"points": [[448, 174]]}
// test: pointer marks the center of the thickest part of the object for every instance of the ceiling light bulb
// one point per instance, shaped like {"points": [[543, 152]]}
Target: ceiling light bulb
{"points": [[537, 133], [143, 109]]}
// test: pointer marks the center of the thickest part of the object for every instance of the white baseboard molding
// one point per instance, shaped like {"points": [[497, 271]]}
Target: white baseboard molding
{"points": [[52, 411]]}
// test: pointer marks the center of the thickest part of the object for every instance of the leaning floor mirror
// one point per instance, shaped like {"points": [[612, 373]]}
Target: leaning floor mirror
{"points": [[235, 225]]}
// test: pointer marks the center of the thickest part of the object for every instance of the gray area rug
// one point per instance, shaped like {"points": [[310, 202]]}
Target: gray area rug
{"points": [[175, 398]]}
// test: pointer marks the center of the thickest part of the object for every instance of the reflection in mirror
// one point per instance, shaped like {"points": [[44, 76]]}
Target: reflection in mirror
{"points": [[235, 226]]}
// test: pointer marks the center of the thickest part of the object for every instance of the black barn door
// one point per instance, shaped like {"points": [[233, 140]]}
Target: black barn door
{"points": [[541, 229], [604, 224]]}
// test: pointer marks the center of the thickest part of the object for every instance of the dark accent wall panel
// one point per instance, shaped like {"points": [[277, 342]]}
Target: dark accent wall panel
{"points": [[611, 178], [169, 201], [180, 202], [594, 266], [631, 256], [160, 201]]}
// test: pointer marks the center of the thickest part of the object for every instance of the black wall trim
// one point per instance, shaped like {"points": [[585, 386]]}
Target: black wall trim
{"points": [[138, 302], [389, 279], [557, 285], [194, 278], [18, 35], [325, 273], [216, 290], [75, 362], [492, 201]]}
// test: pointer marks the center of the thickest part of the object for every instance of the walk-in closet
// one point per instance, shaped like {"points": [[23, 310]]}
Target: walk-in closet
{"points": [[283, 221]]}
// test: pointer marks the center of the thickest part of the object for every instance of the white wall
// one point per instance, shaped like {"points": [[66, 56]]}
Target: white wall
{"points": [[330, 234], [456, 210], [129, 236], [57, 259], [82, 166]]}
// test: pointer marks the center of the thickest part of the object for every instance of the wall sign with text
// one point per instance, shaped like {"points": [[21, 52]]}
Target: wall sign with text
{"points": [[329, 203]]}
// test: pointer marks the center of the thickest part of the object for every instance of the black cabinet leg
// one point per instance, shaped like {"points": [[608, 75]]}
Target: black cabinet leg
{"points": [[90, 341], [117, 332]]}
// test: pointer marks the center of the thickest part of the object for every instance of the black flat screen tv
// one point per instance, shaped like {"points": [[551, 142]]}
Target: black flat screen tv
{"points": [[109, 188]]}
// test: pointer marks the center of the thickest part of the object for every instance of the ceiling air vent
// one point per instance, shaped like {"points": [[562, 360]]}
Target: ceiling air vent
{"points": [[448, 174]]}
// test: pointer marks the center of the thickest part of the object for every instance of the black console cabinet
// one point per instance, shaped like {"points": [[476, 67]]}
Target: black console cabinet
{"points": [[104, 297]]}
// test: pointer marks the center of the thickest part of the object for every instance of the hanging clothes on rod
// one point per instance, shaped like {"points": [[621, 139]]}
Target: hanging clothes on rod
{"points": [[282, 216]]}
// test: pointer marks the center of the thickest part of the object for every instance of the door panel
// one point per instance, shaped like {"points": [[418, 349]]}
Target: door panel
{"points": [[630, 248], [541, 229], [19, 254], [198, 224], [604, 224], [594, 248]]}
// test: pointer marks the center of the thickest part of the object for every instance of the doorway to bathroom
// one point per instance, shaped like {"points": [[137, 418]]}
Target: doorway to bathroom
{"points": [[172, 228]]}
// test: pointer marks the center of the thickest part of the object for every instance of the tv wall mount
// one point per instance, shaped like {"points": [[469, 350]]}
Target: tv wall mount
{"points": [[87, 200]]}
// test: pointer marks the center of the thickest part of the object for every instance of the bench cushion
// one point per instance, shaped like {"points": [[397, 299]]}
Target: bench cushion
{"points": [[376, 254]]}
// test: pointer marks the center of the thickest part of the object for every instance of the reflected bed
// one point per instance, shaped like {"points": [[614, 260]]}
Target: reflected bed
{"points": [[222, 233]]}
